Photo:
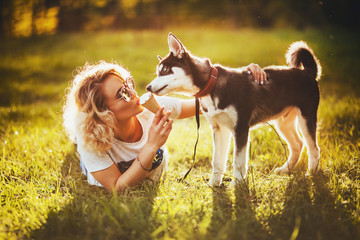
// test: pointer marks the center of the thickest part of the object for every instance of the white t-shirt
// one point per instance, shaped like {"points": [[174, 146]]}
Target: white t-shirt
{"points": [[123, 151]]}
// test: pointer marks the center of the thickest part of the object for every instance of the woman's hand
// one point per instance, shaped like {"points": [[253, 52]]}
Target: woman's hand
{"points": [[257, 72], [160, 129]]}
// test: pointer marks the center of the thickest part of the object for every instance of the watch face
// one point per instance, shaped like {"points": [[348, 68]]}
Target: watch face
{"points": [[158, 159]]}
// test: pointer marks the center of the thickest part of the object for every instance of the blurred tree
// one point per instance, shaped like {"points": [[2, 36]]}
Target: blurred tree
{"points": [[27, 17], [4, 16], [72, 15], [344, 13]]}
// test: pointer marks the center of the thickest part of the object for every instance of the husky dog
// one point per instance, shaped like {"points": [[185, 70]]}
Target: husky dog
{"points": [[233, 102]]}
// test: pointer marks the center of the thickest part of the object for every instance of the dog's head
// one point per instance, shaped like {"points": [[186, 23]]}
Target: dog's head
{"points": [[179, 71]]}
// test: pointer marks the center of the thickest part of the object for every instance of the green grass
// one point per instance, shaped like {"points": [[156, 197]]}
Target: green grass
{"points": [[43, 194]]}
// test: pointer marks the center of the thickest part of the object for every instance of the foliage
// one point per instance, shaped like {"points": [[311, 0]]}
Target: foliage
{"points": [[22, 18], [43, 194]]}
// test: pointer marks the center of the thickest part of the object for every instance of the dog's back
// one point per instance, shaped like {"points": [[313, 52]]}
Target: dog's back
{"points": [[286, 87]]}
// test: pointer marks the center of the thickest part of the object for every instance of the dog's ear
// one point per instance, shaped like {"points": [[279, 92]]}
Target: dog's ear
{"points": [[160, 58], [175, 46]]}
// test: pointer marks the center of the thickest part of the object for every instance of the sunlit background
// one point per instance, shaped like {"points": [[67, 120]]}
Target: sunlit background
{"points": [[23, 18], [43, 194]]}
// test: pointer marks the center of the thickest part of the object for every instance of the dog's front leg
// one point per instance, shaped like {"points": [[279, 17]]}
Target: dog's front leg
{"points": [[221, 138], [240, 163]]}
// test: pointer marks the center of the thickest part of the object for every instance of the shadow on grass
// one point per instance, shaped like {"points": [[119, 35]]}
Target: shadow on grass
{"points": [[19, 88], [94, 213], [222, 212], [235, 221], [311, 211], [246, 225]]}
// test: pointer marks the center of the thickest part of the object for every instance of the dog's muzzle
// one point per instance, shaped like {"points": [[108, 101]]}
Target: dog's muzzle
{"points": [[148, 87]]}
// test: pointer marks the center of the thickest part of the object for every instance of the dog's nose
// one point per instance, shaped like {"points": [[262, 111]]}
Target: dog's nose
{"points": [[148, 88]]}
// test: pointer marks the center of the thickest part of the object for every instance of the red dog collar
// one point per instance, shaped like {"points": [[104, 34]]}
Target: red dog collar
{"points": [[210, 84]]}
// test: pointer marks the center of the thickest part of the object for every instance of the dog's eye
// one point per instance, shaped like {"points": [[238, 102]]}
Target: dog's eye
{"points": [[164, 69]]}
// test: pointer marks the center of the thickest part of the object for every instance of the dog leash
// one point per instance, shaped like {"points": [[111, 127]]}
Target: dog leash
{"points": [[197, 115], [210, 84]]}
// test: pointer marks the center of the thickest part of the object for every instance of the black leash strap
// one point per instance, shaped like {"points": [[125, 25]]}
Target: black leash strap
{"points": [[197, 115]]}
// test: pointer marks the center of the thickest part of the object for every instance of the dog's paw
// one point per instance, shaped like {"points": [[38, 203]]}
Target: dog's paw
{"points": [[215, 181], [311, 172], [234, 182], [282, 170]]}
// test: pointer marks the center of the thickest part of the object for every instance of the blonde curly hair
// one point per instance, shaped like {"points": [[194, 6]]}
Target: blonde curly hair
{"points": [[85, 114]]}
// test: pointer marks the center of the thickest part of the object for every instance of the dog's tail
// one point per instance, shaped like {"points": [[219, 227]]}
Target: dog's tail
{"points": [[301, 56]]}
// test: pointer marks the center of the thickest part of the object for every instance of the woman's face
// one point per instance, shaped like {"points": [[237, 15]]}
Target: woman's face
{"points": [[122, 110]]}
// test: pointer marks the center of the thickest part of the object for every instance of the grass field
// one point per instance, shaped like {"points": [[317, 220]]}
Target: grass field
{"points": [[44, 196]]}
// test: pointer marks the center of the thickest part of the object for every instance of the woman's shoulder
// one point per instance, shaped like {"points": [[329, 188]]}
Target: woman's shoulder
{"points": [[93, 160], [86, 151]]}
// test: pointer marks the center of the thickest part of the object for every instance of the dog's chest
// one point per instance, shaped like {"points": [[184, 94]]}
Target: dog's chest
{"points": [[208, 106], [226, 117]]}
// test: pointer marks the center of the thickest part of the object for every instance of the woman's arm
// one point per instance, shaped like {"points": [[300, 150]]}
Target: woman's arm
{"points": [[112, 179], [187, 108]]}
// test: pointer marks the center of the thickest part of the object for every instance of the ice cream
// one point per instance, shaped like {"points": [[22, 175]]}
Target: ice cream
{"points": [[149, 102]]}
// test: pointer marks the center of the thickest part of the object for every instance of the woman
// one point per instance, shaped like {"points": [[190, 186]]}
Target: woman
{"points": [[120, 143]]}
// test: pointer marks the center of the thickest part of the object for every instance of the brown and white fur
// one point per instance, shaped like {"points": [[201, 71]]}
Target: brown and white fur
{"points": [[289, 99]]}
